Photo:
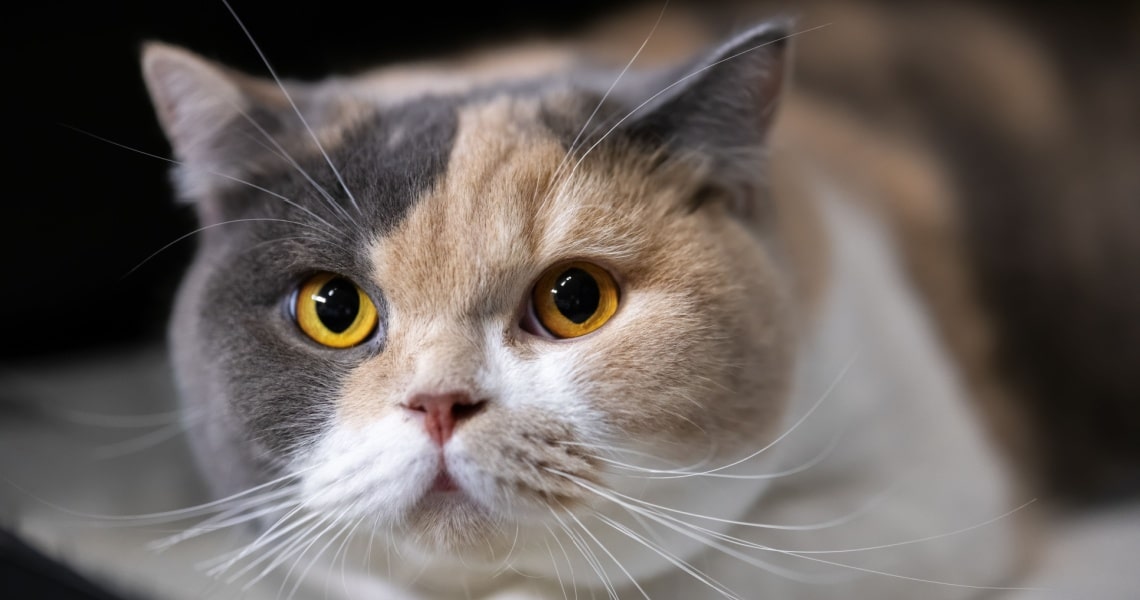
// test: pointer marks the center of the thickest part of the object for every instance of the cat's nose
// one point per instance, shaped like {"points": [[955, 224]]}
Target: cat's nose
{"points": [[443, 412]]}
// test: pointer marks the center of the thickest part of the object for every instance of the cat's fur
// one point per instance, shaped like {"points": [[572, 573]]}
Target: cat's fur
{"points": [[763, 304]]}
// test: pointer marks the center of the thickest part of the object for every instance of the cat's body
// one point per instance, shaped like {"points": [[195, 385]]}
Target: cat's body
{"points": [[766, 299]]}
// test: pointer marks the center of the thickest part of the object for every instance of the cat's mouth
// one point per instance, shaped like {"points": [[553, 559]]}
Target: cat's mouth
{"points": [[443, 483]]}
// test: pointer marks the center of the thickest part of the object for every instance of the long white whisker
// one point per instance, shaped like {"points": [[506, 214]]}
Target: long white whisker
{"points": [[674, 560], [228, 561], [301, 577], [301, 542], [289, 97], [574, 145], [588, 554], [918, 540], [554, 565], [682, 80], [343, 581], [667, 474], [211, 226], [92, 419], [587, 531], [281, 152], [371, 541], [812, 462], [918, 579], [507, 560], [138, 443], [681, 527], [569, 563], [685, 529], [226, 519], [332, 228], [810, 527], [164, 516]]}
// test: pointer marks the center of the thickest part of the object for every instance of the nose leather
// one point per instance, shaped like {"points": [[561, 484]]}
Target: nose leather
{"points": [[442, 413]]}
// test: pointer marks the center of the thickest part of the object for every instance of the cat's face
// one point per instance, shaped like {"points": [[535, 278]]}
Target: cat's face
{"points": [[478, 401]]}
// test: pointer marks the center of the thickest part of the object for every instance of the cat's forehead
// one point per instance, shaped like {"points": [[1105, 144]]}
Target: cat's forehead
{"points": [[393, 150], [508, 199]]}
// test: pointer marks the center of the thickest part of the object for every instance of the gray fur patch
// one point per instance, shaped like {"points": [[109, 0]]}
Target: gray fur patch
{"points": [[239, 318]]}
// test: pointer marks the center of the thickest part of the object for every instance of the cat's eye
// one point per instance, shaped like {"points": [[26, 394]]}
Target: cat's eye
{"points": [[334, 311], [573, 299]]}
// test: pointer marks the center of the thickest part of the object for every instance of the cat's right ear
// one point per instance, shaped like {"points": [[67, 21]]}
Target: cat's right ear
{"points": [[207, 112]]}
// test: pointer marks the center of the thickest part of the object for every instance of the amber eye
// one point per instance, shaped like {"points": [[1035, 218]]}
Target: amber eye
{"points": [[573, 299], [334, 311]]}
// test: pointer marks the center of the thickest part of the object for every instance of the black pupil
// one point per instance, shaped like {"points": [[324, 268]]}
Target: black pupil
{"points": [[337, 304], [576, 295]]}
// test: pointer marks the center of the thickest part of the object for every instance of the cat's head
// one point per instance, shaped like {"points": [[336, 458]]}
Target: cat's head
{"points": [[452, 308]]}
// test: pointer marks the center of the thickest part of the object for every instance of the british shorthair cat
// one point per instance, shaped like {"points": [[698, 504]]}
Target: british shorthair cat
{"points": [[529, 324]]}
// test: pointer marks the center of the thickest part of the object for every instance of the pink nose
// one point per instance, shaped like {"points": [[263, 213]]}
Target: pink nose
{"points": [[443, 412]]}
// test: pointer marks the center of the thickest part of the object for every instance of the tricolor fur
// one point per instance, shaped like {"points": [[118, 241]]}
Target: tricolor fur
{"points": [[763, 306]]}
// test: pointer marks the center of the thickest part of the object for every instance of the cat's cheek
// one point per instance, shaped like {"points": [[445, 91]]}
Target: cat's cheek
{"points": [[381, 469]]}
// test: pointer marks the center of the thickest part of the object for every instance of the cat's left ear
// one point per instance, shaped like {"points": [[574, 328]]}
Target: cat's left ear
{"points": [[218, 120], [721, 106]]}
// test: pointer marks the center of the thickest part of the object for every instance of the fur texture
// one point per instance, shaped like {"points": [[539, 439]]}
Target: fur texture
{"points": [[767, 376]]}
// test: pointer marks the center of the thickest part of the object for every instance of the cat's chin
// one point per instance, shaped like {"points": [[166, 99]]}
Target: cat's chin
{"points": [[448, 522]]}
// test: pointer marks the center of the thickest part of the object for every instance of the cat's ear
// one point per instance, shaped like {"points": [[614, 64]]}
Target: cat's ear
{"points": [[722, 105], [210, 114]]}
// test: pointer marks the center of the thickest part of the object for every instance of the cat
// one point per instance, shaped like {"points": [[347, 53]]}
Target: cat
{"points": [[534, 326]]}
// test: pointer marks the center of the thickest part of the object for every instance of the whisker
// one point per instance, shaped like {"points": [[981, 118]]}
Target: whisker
{"points": [[810, 527], [686, 78], [587, 531], [93, 419], [296, 542], [823, 397], [284, 155], [574, 144], [138, 443], [812, 462], [225, 519], [554, 565], [680, 527], [605, 136], [301, 578], [224, 563], [588, 554], [289, 97], [343, 581], [207, 227], [507, 560], [918, 579], [332, 228], [569, 563], [922, 539], [684, 529], [164, 516], [615, 450], [674, 560], [220, 564], [371, 541]]}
